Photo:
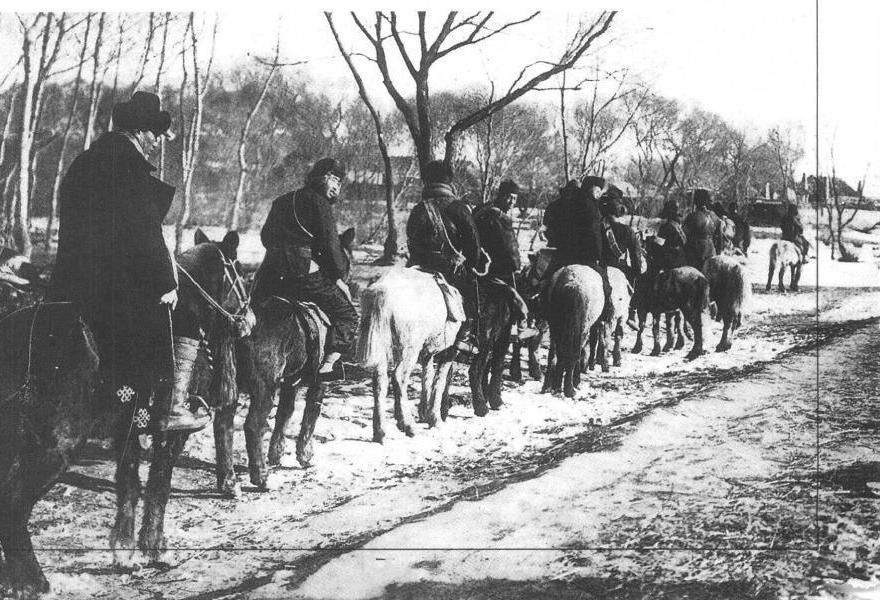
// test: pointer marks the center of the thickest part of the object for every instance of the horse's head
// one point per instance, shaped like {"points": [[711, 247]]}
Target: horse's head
{"points": [[212, 290]]}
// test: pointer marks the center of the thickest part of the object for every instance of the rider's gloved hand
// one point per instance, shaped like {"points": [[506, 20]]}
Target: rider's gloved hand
{"points": [[169, 299]]}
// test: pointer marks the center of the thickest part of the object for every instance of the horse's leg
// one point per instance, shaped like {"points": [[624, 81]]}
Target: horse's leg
{"points": [[128, 491], [770, 275], [496, 367], [616, 358], [224, 430], [670, 332], [680, 329], [781, 274], [286, 402], [255, 426], [401, 391], [22, 571], [724, 344], [515, 366], [593, 344], [439, 394], [311, 412], [166, 451], [380, 392], [428, 373], [532, 348], [568, 371], [655, 331], [444, 384], [695, 317], [796, 276], [602, 345], [643, 317], [477, 376]]}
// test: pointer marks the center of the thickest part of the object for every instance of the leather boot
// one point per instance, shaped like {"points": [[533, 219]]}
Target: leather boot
{"points": [[180, 417]]}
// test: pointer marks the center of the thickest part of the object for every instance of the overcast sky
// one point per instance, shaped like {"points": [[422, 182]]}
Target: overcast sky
{"points": [[752, 62]]}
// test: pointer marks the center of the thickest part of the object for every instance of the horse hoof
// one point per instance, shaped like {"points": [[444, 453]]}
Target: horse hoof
{"points": [[304, 458], [231, 490], [617, 362], [679, 344], [379, 437], [409, 431], [481, 411], [655, 352], [127, 561], [274, 459], [636, 350], [723, 347], [668, 347], [605, 368], [694, 354]]}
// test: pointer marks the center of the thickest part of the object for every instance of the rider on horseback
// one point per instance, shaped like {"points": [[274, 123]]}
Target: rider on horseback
{"points": [[668, 251], [793, 231], [574, 227], [305, 261], [620, 245], [442, 237], [498, 239], [113, 264], [703, 230]]}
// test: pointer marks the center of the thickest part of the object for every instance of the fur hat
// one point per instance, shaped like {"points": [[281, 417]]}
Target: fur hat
{"points": [[609, 206], [702, 197], [437, 171], [592, 180], [670, 211], [508, 186], [324, 166], [141, 113]]}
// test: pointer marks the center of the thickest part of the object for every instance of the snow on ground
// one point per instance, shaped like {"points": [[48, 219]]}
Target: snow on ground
{"points": [[359, 488]]}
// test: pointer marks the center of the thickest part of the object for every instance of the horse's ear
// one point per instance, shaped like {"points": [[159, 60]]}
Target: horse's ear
{"points": [[347, 238], [199, 237], [230, 244]]}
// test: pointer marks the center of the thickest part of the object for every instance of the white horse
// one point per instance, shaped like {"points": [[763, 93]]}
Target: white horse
{"points": [[621, 292], [404, 320], [785, 254]]}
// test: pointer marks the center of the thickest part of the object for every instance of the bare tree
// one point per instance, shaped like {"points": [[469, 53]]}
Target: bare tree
{"points": [[71, 114], [234, 212], [455, 33], [157, 88], [839, 220], [192, 135], [41, 42], [390, 247], [787, 152], [98, 72]]}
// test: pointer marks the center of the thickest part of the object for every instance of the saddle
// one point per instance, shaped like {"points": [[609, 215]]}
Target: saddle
{"points": [[313, 320], [451, 296]]}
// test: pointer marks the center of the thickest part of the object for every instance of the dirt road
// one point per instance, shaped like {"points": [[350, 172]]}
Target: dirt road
{"points": [[289, 538]]}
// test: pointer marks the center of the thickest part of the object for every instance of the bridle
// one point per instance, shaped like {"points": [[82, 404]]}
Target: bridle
{"points": [[231, 278]]}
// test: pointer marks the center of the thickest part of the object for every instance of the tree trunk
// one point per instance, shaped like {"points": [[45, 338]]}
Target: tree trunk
{"points": [[22, 216], [95, 87]]}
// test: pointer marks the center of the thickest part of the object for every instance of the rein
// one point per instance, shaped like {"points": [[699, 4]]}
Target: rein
{"points": [[227, 266]]}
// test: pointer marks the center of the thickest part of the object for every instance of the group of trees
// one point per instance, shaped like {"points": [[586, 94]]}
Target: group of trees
{"points": [[247, 133]]}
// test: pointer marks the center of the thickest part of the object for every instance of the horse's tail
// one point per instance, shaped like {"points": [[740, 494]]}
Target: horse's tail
{"points": [[774, 255], [702, 294], [569, 315], [375, 338], [740, 293]]}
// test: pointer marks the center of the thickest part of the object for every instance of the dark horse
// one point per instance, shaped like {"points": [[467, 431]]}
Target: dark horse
{"points": [[282, 353], [49, 375], [666, 292], [528, 284]]}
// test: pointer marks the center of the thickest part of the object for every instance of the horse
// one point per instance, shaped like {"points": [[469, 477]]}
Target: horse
{"points": [[574, 304], [405, 320], [528, 284], [598, 344], [785, 254], [49, 377], [283, 353], [729, 293]]}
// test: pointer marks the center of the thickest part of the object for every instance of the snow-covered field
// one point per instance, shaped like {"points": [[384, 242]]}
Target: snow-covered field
{"points": [[357, 489]]}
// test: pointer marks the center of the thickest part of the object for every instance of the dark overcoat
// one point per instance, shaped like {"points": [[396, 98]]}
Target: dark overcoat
{"points": [[112, 260], [498, 239], [573, 226], [428, 241], [671, 254], [703, 230], [300, 228], [627, 242]]}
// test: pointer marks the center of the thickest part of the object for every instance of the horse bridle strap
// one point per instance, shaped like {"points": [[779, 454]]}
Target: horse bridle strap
{"points": [[207, 297]]}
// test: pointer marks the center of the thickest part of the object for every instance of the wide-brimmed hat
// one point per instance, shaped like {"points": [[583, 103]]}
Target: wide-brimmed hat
{"points": [[142, 113]]}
